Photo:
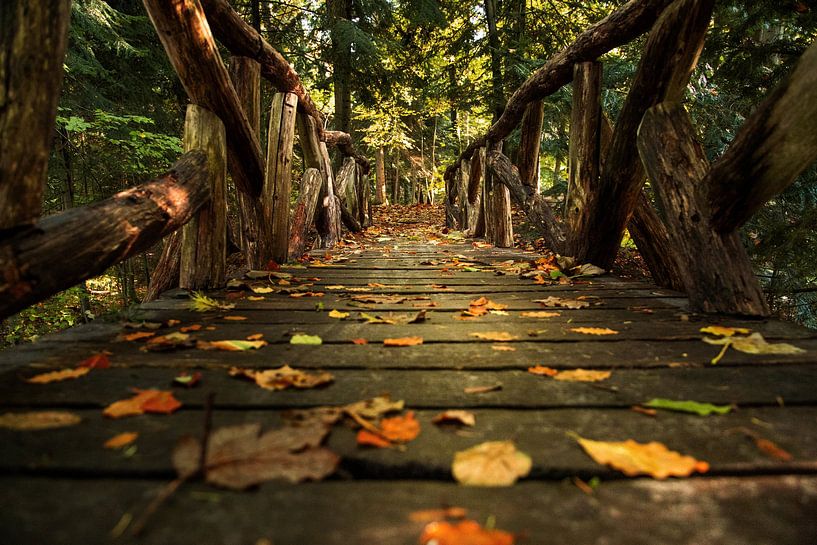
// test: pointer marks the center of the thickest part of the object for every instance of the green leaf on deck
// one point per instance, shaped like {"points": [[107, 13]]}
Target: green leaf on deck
{"points": [[702, 409], [305, 339]]}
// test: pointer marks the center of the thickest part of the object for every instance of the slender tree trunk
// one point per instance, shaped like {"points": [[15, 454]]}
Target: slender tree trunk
{"points": [[33, 37], [497, 97], [340, 12], [380, 177]]}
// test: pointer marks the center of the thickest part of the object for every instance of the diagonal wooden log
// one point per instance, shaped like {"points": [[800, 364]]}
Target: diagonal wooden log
{"points": [[186, 37], [772, 148], [670, 54], [98, 235], [304, 212], [718, 276], [655, 245], [33, 37], [242, 39], [534, 204], [620, 27]]}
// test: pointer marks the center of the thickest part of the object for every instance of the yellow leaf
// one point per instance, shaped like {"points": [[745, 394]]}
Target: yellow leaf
{"points": [[495, 463], [594, 330], [403, 341], [235, 318], [496, 336], [540, 314], [632, 458], [283, 378], [542, 370], [338, 314], [724, 331], [752, 344], [121, 440], [503, 348], [582, 375], [59, 376]]}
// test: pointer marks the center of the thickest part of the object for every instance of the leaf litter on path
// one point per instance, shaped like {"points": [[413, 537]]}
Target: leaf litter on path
{"points": [[144, 401], [282, 378], [494, 463], [633, 459]]}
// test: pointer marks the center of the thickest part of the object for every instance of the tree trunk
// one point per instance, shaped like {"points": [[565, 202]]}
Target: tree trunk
{"points": [[204, 238], [462, 195], [620, 27], [380, 177], [534, 204], [33, 37], [584, 155], [245, 74], [497, 97], [100, 235], [189, 44], [718, 276], [340, 12], [396, 189], [362, 188], [655, 246], [530, 138], [278, 182], [304, 213], [498, 224], [670, 55], [772, 148]]}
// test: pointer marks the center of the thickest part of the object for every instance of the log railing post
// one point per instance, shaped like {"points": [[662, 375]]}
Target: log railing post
{"points": [[497, 199], [530, 138], [278, 182], [462, 194], [245, 74], [304, 212], [718, 276], [584, 151], [33, 37], [204, 238]]}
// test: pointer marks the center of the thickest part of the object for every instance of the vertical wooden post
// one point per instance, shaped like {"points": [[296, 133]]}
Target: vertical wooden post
{"points": [[245, 74], [476, 213], [278, 181], [584, 151], [33, 36], [327, 218], [462, 194], [304, 211], [530, 138], [204, 238], [380, 177], [498, 224]]}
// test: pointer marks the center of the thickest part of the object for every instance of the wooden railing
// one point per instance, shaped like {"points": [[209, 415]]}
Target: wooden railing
{"points": [[693, 245], [222, 133]]}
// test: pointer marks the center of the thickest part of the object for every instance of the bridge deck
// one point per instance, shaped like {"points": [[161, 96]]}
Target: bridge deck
{"points": [[62, 487]]}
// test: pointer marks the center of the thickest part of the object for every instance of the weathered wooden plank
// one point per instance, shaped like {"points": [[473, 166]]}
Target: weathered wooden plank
{"points": [[725, 511]]}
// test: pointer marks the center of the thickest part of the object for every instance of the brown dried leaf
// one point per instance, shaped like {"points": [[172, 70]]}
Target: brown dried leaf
{"points": [[560, 302], [632, 458], [432, 515], [59, 376], [283, 378], [135, 336], [39, 420], [467, 532], [495, 463], [540, 314], [452, 416], [542, 370], [582, 375], [495, 336], [594, 330], [121, 440], [374, 408], [482, 389], [379, 299], [145, 401], [403, 341], [503, 348]]}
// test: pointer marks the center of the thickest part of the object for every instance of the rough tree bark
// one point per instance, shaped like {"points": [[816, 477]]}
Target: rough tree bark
{"points": [[719, 275], [584, 151], [620, 27], [772, 148], [245, 74], [498, 222], [534, 204], [278, 182], [33, 37], [670, 55], [328, 216], [186, 37], [304, 212], [380, 177], [204, 239], [165, 275], [99, 235], [654, 244], [530, 138]]}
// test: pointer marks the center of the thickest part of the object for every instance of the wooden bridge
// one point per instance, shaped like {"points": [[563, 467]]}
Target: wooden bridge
{"points": [[539, 353]]}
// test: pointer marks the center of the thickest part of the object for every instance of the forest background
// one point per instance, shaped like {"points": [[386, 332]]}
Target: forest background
{"points": [[413, 82]]}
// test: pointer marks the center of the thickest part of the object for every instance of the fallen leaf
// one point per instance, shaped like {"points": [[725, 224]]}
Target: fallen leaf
{"points": [[307, 294], [565, 303], [540, 314], [400, 429], [588, 269], [374, 408], [201, 303], [752, 344], [283, 378], [58, 376], [433, 515], [495, 336], [235, 318], [121, 440], [97, 361], [632, 458], [360, 341], [482, 389], [171, 322], [701, 409], [188, 380], [305, 339], [495, 463], [772, 450], [466, 532], [230, 346], [189, 328], [239, 457], [262, 289], [171, 341], [367, 438], [455, 417], [255, 298], [582, 375], [255, 337], [403, 341], [503, 348], [642, 410], [135, 336], [338, 314], [145, 401], [594, 330], [380, 299], [39, 420], [724, 331], [542, 370]]}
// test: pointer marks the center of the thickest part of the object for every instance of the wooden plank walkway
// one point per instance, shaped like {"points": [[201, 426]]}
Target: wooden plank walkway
{"points": [[60, 486]]}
